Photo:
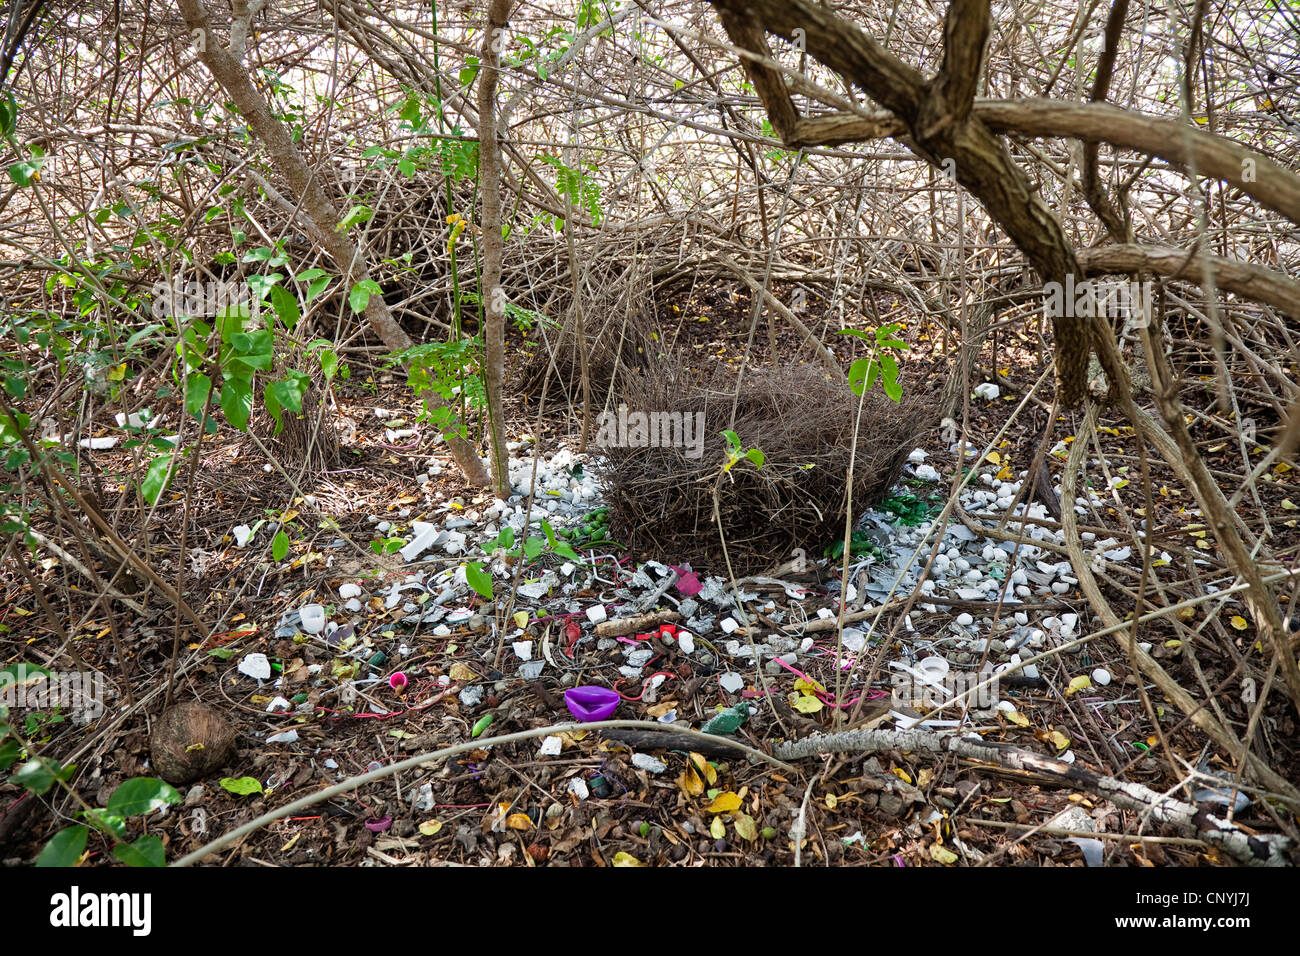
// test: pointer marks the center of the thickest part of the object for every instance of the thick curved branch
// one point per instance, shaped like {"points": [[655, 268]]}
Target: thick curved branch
{"points": [[1248, 281], [965, 32], [1117, 226], [1263, 180]]}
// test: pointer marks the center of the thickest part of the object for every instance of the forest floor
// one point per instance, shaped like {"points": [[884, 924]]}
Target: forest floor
{"points": [[587, 799]]}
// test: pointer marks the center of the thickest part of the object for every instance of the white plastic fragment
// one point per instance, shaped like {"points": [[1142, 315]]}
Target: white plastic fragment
{"points": [[648, 763], [426, 535], [242, 533], [551, 746], [312, 617], [1101, 677], [256, 666], [596, 613], [285, 737], [731, 682]]}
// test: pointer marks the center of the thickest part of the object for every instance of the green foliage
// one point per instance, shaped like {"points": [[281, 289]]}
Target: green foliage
{"points": [[531, 547], [576, 185], [735, 453], [134, 797], [28, 170], [242, 786], [387, 545], [880, 364], [524, 319], [449, 370], [909, 509], [478, 579]]}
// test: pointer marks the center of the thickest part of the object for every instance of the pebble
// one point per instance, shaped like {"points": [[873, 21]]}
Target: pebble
{"points": [[1101, 677]]}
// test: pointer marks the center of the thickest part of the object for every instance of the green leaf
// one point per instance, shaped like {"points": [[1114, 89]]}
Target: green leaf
{"points": [[862, 375], [24, 173], [479, 579], [242, 786], [316, 288], [732, 439], [156, 478], [280, 545], [286, 306], [532, 547], [145, 851], [357, 214], [889, 378], [253, 349], [360, 295], [329, 363], [756, 457], [140, 795], [549, 532], [106, 822], [40, 773], [237, 401], [65, 847], [197, 387], [410, 110], [507, 537], [287, 393], [8, 115], [9, 752], [565, 550]]}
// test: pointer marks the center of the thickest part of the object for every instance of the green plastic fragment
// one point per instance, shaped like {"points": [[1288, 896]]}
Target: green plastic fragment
{"points": [[727, 722]]}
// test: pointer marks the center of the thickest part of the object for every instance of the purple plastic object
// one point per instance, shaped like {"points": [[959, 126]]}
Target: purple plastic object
{"points": [[591, 703]]}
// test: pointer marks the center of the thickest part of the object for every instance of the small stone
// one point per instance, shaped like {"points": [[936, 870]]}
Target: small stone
{"points": [[1101, 677]]}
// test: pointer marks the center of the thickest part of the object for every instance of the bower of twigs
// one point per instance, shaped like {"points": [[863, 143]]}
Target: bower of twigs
{"points": [[616, 319], [661, 499]]}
